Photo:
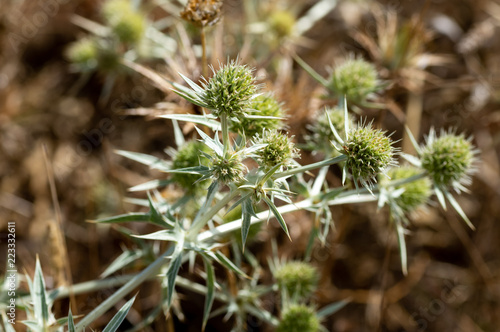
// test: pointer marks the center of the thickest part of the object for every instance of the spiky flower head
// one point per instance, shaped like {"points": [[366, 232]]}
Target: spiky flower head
{"points": [[228, 169], [262, 105], [189, 155], [279, 149], [322, 134], [416, 193], [369, 151], [230, 90], [356, 79], [448, 159], [126, 23], [83, 52], [297, 278], [298, 318]]}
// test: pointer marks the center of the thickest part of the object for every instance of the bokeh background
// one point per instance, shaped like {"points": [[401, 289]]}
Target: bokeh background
{"points": [[441, 61]]}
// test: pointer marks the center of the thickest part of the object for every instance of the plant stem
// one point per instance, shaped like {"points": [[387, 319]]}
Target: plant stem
{"points": [[147, 273], [309, 167], [225, 133], [204, 64], [205, 218]]}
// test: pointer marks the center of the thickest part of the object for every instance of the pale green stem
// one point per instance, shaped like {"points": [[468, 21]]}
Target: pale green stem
{"points": [[347, 197], [310, 167], [225, 133], [147, 273]]}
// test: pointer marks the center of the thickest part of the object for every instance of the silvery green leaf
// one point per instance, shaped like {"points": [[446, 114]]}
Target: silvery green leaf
{"points": [[172, 272], [213, 144], [117, 319], [414, 141], [411, 159], [193, 85], [346, 118], [457, 208], [165, 235], [334, 131], [331, 308], [247, 212], [39, 297], [278, 215], [223, 260], [440, 197], [206, 120], [121, 261], [71, 322], [209, 296], [150, 185], [128, 217], [178, 135], [146, 159]]}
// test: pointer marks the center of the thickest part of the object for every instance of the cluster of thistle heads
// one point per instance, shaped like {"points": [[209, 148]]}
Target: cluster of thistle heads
{"points": [[124, 29], [232, 92]]}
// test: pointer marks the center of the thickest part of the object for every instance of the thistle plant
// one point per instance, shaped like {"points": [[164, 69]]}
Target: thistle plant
{"points": [[225, 173]]}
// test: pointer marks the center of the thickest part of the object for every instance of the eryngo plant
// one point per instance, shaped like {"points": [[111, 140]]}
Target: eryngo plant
{"points": [[236, 183]]}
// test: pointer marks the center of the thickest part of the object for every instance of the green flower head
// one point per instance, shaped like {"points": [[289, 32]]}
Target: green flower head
{"points": [[189, 155], [279, 149], [356, 79], [416, 193], [369, 151], [127, 24], [83, 52], [263, 105], [448, 159], [230, 90], [229, 169], [281, 23], [298, 278], [298, 318]]}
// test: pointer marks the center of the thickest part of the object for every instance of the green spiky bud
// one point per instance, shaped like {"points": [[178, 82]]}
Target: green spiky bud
{"points": [[356, 79], [83, 52], [263, 105], [416, 193], [127, 24], [448, 159], [230, 90], [298, 318], [229, 169], [369, 151], [322, 135], [279, 149], [298, 278], [281, 23], [189, 155]]}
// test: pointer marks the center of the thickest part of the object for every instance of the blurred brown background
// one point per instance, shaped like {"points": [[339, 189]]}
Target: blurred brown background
{"points": [[454, 278]]}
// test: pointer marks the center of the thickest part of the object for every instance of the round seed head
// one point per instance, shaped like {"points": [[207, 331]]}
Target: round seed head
{"points": [[279, 149], [281, 23], [83, 52], [356, 79], [127, 24], [228, 170], [416, 193], [448, 159], [262, 105], [230, 90], [298, 278], [369, 151], [298, 318], [189, 156]]}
